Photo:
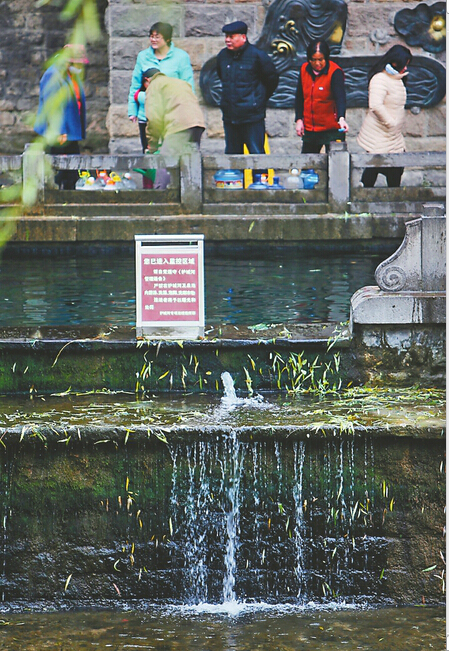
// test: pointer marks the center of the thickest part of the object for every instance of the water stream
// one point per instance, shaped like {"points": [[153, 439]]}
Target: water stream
{"points": [[208, 523]]}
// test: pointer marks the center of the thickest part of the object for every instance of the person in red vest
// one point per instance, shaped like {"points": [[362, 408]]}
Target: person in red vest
{"points": [[320, 104]]}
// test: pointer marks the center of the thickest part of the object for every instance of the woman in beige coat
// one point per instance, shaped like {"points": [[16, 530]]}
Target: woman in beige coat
{"points": [[381, 130]]}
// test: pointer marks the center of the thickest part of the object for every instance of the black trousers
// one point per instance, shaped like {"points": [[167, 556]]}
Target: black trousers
{"points": [[314, 140], [392, 174], [66, 179], [251, 134], [143, 135]]}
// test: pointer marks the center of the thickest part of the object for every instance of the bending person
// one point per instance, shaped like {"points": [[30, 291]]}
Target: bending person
{"points": [[174, 117], [164, 56], [381, 131], [320, 104]]}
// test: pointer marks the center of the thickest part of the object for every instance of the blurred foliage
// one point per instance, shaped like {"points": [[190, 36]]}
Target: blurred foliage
{"points": [[84, 29]]}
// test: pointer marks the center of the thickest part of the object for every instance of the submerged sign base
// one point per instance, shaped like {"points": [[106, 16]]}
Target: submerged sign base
{"points": [[169, 286]]}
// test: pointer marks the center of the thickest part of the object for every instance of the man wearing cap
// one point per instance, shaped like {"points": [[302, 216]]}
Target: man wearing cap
{"points": [[248, 78], [61, 116]]}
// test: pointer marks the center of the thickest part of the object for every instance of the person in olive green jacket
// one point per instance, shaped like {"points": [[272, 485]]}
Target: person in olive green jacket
{"points": [[174, 115]]}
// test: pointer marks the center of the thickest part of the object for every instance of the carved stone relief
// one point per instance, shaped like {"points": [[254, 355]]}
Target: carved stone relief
{"points": [[291, 24], [423, 26]]}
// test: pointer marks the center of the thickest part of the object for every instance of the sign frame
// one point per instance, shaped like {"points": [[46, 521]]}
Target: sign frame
{"points": [[183, 257]]}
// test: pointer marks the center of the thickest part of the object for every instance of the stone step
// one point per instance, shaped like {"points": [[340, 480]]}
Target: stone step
{"points": [[127, 197], [265, 209], [106, 209]]}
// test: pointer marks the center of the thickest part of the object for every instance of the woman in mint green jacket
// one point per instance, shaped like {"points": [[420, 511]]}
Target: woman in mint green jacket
{"points": [[161, 54]]}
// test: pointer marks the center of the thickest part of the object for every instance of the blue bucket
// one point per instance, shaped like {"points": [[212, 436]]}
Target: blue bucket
{"points": [[229, 179]]}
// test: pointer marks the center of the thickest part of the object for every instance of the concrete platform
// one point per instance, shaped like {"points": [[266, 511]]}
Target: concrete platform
{"points": [[249, 227]]}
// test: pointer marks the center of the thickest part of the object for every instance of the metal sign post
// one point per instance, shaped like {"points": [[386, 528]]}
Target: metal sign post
{"points": [[169, 286]]}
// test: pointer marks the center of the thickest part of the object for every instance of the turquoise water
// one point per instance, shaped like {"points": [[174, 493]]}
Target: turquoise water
{"points": [[246, 288]]}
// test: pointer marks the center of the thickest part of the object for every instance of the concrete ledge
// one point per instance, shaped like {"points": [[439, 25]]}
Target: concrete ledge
{"points": [[371, 305], [250, 228]]}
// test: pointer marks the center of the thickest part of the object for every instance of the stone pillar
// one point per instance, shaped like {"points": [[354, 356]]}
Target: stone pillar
{"points": [[33, 173], [191, 182], [339, 177], [398, 326]]}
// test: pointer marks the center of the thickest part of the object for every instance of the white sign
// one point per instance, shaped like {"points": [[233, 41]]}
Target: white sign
{"points": [[169, 286]]}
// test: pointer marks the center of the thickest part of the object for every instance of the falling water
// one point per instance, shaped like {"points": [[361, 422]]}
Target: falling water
{"points": [[264, 519], [232, 518], [230, 397], [299, 512]]}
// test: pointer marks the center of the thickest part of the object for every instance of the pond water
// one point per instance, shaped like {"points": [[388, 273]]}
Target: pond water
{"points": [[246, 629], [244, 288]]}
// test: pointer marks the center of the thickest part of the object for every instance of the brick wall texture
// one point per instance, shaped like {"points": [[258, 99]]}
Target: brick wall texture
{"points": [[31, 34]]}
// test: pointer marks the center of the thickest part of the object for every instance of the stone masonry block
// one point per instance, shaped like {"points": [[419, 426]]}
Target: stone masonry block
{"points": [[7, 119], [280, 123], [118, 123], [6, 105], [415, 124], [196, 49], [125, 146], [437, 120], [212, 46], [436, 143], [214, 122], [119, 86], [135, 20], [208, 21], [364, 19], [123, 51]]}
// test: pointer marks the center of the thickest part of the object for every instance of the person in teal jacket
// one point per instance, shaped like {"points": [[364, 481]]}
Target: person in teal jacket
{"points": [[164, 56]]}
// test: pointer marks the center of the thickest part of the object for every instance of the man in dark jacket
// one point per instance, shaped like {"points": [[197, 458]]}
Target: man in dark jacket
{"points": [[248, 78]]}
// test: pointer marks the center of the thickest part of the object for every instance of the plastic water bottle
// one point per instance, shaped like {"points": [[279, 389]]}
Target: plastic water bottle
{"points": [[293, 181], [309, 179], [276, 184], [110, 185], [90, 184], [128, 183], [257, 184], [80, 184]]}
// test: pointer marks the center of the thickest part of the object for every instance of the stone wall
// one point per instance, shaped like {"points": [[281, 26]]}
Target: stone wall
{"points": [[197, 29], [31, 34]]}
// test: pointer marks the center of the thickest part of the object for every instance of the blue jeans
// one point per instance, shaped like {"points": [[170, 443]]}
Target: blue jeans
{"points": [[251, 134]]}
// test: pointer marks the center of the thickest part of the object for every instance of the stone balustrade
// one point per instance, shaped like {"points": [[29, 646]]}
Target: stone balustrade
{"points": [[193, 189]]}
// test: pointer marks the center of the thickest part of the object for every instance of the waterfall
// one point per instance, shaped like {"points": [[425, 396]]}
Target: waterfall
{"points": [[232, 518], [251, 520]]}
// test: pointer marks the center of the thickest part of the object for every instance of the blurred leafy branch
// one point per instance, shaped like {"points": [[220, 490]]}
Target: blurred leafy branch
{"points": [[84, 29]]}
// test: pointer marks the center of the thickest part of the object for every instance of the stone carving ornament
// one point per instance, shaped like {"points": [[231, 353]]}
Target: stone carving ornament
{"points": [[423, 26], [291, 24]]}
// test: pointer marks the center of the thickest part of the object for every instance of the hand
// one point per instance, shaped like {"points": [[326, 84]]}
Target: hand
{"points": [[62, 138], [343, 124], [133, 118], [299, 127]]}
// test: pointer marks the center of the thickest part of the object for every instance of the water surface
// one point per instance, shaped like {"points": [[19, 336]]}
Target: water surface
{"points": [[61, 290], [248, 629], [359, 406]]}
